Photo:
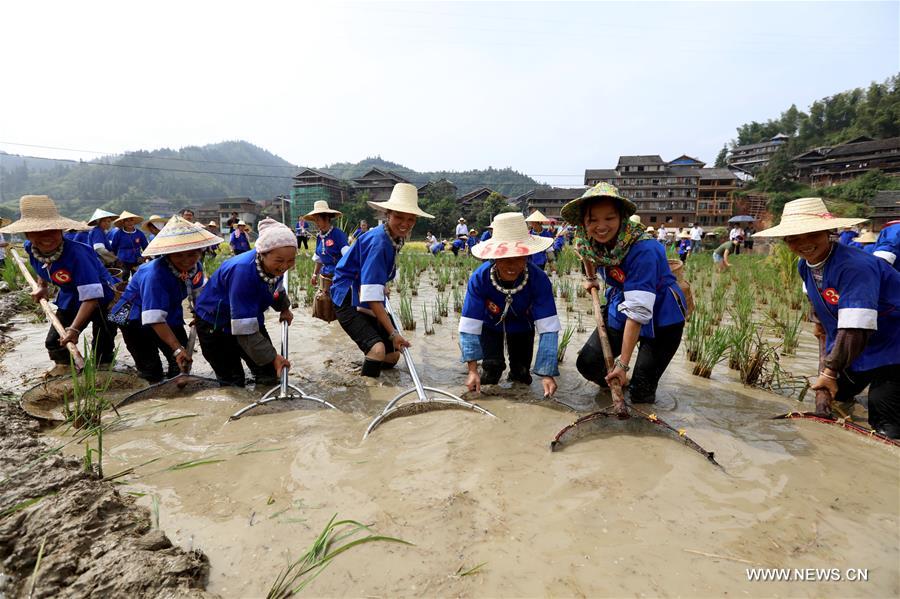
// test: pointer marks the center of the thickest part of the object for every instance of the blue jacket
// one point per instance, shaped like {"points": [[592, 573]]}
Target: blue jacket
{"points": [[330, 248], [78, 273], [156, 294], [127, 246], [365, 269]]}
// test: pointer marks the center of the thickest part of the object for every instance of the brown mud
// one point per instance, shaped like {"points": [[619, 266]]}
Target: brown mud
{"points": [[96, 541], [624, 511]]}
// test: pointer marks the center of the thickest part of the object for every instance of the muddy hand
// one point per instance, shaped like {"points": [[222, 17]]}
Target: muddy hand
{"points": [[400, 342], [280, 364], [40, 294], [287, 316], [823, 403], [71, 336], [473, 382], [184, 361]]}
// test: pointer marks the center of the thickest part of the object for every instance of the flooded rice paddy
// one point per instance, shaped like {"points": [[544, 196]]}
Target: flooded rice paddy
{"points": [[624, 512]]}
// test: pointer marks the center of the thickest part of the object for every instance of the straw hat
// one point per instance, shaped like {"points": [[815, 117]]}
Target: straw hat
{"points": [[39, 213], [511, 239], [572, 210], [241, 223], [179, 235], [684, 234], [212, 225], [461, 220], [4, 222], [807, 215], [404, 198], [635, 219], [127, 216], [867, 237], [537, 217], [157, 220], [321, 207], [651, 229], [98, 214]]}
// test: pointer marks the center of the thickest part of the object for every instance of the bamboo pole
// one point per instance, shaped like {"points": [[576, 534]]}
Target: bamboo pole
{"points": [[45, 305], [616, 388]]}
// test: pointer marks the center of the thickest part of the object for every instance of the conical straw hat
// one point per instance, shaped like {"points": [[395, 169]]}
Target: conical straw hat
{"points": [[537, 217], [404, 198], [98, 214], [155, 219], [321, 207], [511, 239], [127, 216], [39, 213], [807, 215], [180, 235], [867, 237]]}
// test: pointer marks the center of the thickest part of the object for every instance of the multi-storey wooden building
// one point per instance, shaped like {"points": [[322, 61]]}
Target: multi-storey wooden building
{"points": [[550, 200], [885, 208], [715, 196], [830, 165], [751, 158], [378, 184], [311, 185]]}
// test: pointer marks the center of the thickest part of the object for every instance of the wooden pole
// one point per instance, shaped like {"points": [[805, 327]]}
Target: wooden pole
{"points": [[51, 316], [616, 388]]}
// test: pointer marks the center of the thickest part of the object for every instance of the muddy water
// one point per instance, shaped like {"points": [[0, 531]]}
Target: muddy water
{"points": [[620, 513]]}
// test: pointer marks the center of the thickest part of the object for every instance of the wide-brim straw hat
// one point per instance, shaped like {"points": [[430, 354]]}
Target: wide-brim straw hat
{"points": [[98, 214], [510, 239], [321, 207], [571, 212], [4, 222], [39, 213], [867, 237], [684, 235], [404, 198], [179, 235], [127, 216], [158, 221], [635, 219], [212, 225], [807, 215], [537, 217], [241, 223], [651, 229]]}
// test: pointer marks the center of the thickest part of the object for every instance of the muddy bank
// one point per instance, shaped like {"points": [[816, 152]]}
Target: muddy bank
{"points": [[96, 541]]}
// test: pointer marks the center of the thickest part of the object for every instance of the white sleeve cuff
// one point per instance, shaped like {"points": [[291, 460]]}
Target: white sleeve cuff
{"points": [[90, 292], [315, 258], [638, 306], [244, 326], [470, 325], [890, 257], [345, 249], [858, 318], [547, 325], [153, 316], [804, 286], [371, 293]]}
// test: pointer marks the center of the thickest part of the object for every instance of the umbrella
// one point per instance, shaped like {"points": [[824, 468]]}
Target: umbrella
{"points": [[742, 218]]}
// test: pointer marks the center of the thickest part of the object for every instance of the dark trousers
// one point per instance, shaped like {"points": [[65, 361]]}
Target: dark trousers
{"points": [[520, 347], [653, 358], [144, 345], [103, 343], [224, 354], [884, 396], [304, 241]]}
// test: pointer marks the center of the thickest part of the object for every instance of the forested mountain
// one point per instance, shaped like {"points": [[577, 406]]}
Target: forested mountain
{"points": [[195, 175]]}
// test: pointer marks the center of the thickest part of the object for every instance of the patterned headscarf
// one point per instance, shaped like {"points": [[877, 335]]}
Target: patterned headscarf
{"points": [[602, 255]]}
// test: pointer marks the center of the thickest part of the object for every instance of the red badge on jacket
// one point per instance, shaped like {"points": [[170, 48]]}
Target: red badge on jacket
{"points": [[329, 242], [831, 296], [198, 278], [61, 276], [492, 307], [616, 273]]}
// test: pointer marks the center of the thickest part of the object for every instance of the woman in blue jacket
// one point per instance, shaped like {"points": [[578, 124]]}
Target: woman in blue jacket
{"points": [[127, 242], [645, 307]]}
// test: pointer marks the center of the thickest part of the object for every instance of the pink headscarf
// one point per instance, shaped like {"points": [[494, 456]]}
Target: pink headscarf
{"points": [[273, 235]]}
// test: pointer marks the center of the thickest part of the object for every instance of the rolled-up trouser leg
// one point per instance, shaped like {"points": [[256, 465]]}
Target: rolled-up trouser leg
{"points": [[493, 363]]}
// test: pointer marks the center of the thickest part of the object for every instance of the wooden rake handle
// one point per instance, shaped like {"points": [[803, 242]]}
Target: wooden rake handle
{"points": [[48, 311], [615, 387]]}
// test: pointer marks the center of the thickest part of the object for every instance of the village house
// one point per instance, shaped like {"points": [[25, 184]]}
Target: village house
{"points": [[440, 188], [825, 166], [715, 196], [310, 186], [378, 184], [473, 200], [885, 208], [550, 200], [752, 157], [220, 211]]}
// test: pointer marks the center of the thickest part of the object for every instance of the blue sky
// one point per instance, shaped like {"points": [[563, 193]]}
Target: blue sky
{"points": [[546, 88]]}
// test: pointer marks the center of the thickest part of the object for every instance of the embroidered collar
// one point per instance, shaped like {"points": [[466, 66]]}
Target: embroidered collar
{"points": [[508, 292], [183, 276], [324, 234], [48, 259], [268, 280]]}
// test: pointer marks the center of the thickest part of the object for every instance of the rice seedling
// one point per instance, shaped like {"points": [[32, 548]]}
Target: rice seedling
{"points": [[86, 405], [758, 357], [443, 279], [470, 571], [457, 300], [579, 326], [436, 317], [695, 331], [406, 313], [429, 330], [712, 350], [37, 566], [789, 326], [567, 261], [443, 303], [328, 545], [564, 341]]}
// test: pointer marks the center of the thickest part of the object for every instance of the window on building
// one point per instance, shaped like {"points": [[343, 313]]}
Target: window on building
{"points": [[669, 219], [654, 194], [652, 219], [655, 181], [640, 169], [723, 205]]}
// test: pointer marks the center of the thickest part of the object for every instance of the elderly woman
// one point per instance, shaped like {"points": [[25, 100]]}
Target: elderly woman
{"points": [[644, 305], [127, 242], [85, 286], [239, 239], [856, 299], [150, 310], [231, 308], [361, 277], [508, 299]]}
